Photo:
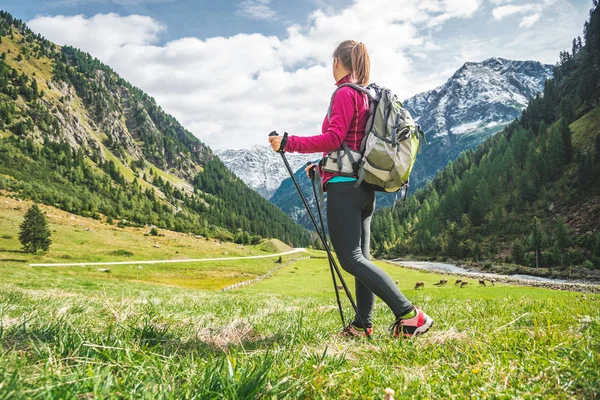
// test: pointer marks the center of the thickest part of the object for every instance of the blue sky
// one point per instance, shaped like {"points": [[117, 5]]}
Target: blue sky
{"points": [[232, 70], [198, 18]]}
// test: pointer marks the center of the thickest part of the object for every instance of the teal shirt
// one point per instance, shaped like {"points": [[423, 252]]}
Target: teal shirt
{"points": [[338, 178]]}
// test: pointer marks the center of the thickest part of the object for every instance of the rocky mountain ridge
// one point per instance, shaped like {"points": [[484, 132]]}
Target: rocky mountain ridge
{"points": [[261, 168]]}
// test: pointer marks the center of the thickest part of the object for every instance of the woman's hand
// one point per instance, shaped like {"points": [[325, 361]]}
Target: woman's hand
{"points": [[275, 142], [308, 168]]}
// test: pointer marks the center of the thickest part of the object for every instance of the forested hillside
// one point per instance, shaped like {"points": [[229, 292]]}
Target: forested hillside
{"points": [[530, 194], [73, 134]]}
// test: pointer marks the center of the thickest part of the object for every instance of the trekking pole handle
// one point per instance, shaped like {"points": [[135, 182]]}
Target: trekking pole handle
{"points": [[311, 172], [283, 140]]}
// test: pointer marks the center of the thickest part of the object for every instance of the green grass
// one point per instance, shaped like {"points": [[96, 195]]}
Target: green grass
{"points": [[70, 333], [77, 239], [585, 130], [172, 179], [167, 331]]}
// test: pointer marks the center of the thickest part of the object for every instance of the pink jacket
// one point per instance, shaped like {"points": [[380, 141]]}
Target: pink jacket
{"points": [[349, 114]]}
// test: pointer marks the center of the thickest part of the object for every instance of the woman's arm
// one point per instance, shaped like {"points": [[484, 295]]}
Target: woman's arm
{"points": [[343, 109]]}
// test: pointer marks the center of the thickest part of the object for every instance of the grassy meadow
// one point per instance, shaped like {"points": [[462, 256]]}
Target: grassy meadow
{"points": [[166, 331]]}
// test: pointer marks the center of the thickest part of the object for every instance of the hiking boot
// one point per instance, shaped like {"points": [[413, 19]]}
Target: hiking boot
{"points": [[353, 331], [414, 326]]}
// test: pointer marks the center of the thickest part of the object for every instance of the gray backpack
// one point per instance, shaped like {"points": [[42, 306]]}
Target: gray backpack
{"points": [[389, 148]]}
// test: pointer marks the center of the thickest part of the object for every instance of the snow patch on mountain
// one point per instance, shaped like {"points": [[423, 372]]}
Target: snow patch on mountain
{"points": [[261, 168], [479, 96]]}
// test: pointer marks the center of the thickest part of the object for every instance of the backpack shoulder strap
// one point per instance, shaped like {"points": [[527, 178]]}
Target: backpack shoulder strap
{"points": [[354, 86]]}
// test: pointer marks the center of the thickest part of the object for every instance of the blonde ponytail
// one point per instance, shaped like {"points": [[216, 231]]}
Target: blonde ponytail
{"points": [[361, 64]]}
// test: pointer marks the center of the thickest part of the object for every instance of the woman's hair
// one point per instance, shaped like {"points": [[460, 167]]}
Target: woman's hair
{"points": [[354, 57]]}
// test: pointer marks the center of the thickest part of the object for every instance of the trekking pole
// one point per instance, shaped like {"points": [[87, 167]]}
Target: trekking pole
{"points": [[311, 174], [319, 233]]}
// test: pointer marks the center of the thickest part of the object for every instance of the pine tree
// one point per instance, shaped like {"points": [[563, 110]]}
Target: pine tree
{"points": [[585, 171], [561, 240], [518, 252], [35, 234], [556, 153], [536, 239], [566, 135], [481, 203], [527, 191], [542, 129], [34, 88]]}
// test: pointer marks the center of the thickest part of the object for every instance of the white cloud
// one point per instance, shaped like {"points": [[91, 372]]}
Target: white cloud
{"points": [[103, 35], [529, 20], [500, 13], [256, 9], [533, 12], [232, 91]]}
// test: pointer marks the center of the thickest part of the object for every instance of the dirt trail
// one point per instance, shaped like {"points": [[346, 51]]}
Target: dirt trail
{"points": [[297, 250]]}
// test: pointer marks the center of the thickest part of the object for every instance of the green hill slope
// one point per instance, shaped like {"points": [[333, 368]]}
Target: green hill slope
{"points": [[73, 134], [530, 195]]}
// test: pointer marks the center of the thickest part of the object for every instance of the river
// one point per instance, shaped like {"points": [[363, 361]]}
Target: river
{"points": [[443, 267]]}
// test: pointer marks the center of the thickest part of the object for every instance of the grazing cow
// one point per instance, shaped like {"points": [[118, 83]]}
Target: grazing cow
{"points": [[340, 287], [493, 282], [482, 282], [444, 281], [419, 285], [396, 281], [457, 282], [463, 284]]}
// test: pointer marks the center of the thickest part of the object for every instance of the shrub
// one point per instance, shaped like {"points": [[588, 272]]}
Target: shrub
{"points": [[268, 247], [224, 236], [588, 264], [120, 252]]}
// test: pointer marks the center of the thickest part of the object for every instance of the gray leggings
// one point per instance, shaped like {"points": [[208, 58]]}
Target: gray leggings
{"points": [[349, 212]]}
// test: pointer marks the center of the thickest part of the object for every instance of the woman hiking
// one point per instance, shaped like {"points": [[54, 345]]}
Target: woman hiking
{"points": [[349, 209]]}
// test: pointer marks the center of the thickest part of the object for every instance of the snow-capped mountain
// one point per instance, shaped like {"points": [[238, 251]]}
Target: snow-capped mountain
{"points": [[479, 97], [261, 168], [477, 101]]}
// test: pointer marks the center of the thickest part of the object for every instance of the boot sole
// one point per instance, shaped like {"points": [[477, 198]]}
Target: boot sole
{"points": [[421, 330]]}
